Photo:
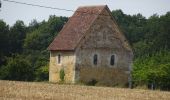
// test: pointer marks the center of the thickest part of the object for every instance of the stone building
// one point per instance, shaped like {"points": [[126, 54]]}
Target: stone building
{"points": [[89, 48]]}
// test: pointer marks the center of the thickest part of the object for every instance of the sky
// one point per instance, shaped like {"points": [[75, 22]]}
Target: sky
{"points": [[11, 12]]}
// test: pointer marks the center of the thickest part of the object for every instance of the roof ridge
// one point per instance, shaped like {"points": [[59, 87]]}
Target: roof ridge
{"points": [[92, 6]]}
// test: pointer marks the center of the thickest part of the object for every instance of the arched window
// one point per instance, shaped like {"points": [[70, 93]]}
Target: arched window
{"points": [[95, 59], [59, 58], [112, 60]]}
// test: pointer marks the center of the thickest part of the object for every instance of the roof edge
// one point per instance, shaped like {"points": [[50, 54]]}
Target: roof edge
{"points": [[92, 6], [128, 44]]}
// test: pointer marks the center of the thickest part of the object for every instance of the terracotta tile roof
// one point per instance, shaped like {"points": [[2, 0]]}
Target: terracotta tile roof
{"points": [[76, 27]]}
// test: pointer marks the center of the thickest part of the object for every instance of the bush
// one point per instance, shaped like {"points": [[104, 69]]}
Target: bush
{"points": [[153, 71], [62, 75], [42, 74], [18, 69], [92, 82]]}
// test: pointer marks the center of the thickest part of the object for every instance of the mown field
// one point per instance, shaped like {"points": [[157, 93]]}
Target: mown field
{"points": [[13, 90]]}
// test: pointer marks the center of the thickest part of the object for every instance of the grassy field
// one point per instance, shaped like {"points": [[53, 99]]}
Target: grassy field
{"points": [[13, 90]]}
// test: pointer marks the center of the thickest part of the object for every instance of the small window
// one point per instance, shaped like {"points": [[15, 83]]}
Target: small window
{"points": [[95, 59], [112, 60], [59, 58]]}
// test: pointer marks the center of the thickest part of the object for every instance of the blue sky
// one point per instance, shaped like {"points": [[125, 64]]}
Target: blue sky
{"points": [[10, 12]]}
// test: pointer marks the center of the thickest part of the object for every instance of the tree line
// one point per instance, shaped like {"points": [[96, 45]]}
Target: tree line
{"points": [[150, 40], [24, 55], [23, 49]]}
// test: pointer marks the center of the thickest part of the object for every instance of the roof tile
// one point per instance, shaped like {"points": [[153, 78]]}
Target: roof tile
{"points": [[76, 27]]}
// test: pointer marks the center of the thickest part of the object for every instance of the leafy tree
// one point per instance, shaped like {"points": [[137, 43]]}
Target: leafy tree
{"points": [[4, 41], [42, 73], [17, 68], [153, 69], [33, 25], [17, 35], [40, 38]]}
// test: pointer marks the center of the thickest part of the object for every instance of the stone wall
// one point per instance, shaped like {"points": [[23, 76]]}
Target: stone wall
{"points": [[103, 76], [103, 72], [67, 63]]}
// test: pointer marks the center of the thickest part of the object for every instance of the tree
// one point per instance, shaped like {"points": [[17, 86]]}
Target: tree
{"points": [[18, 69], [33, 25], [17, 35], [4, 41], [40, 38], [42, 73], [153, 69]]}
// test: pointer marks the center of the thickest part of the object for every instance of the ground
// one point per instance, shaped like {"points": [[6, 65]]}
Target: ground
{"points": [[13, 90]]}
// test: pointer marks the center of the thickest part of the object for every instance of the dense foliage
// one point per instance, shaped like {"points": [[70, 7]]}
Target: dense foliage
{"points": [[150, 40], [23, 49], [153, 71]]}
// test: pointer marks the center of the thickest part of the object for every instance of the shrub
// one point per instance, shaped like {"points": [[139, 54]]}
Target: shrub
{"points": [[62, 75], [18, 69], [92, 82], [152, 71], [42, 73]]}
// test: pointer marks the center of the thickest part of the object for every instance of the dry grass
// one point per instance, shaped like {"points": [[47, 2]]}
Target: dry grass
{"points": [[12, 90]]}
